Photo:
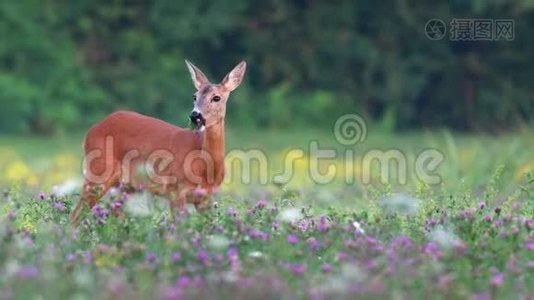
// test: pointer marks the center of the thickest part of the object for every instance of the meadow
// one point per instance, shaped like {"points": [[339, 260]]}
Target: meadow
{"points": [[471, 236]]}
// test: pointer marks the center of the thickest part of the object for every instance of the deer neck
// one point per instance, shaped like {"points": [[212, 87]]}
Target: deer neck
{"points": [[213, 144]]}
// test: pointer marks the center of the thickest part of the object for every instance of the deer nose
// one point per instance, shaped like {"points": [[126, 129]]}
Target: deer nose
{"points": [[197, 118]]}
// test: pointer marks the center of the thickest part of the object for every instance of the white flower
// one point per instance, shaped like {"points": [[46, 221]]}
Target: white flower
{"points": [[401, 203], [68, 187], [139, 204], [445, 238], [358, 227], [255, 254], [218, 242], [348, 275], [289, 215]]}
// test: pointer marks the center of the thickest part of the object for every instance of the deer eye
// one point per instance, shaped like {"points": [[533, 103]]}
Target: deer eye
{"points": [[216, 98]]}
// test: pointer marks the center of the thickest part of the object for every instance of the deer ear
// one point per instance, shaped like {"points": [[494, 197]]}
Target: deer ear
{"points": [[233, 79], [199, 79]]}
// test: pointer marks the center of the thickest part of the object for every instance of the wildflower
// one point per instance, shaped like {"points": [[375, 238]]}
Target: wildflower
{"points": [[100, 214], [342, 256], [218, 242], [59, 206], [497, 279], [70, 258], [41, 195], [87, 257], [255, 254], [183, 281], [481, 205], [323, 225], [172, 293], [176, 257], [200, 192], [358, 228], [139, 204], [290, 215], [116, 205], [151, 258], [292, 239], [326, 268], [313, 243], [297, 269], [258, 235], [529, 224], [261, 203], [445, 238], [432, 249], [203, 257], [27, 272]]}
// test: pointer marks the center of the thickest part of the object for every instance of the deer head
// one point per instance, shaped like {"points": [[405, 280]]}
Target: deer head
{"points": [[210, 99]]}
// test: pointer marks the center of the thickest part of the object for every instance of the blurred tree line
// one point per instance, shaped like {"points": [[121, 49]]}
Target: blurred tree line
{"points": [[65, 64]]}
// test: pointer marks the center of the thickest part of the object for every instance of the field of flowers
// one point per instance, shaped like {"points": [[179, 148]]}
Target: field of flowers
{"points": [[470, 237]]}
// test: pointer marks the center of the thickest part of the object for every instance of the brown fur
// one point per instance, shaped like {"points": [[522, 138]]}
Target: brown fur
{"points": [[141, 136]]}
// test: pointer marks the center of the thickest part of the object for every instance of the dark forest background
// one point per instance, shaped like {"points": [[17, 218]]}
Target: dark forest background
{"points": [[66, 64]]}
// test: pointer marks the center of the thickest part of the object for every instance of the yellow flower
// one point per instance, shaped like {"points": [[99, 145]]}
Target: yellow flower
{"points": [[524, 169], [17, 171]]}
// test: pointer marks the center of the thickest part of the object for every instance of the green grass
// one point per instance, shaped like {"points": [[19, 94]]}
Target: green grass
{"points": [[470, 236]]}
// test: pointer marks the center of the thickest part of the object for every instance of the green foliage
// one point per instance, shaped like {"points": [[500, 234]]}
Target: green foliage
{"points": [[65, 64]]}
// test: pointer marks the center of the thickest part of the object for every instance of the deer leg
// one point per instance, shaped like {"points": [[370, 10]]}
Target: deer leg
{"points": [[91, 193], [178, 201]]}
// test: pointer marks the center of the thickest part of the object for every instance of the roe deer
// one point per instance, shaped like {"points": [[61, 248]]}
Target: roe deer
{"points": [[188, 158]]}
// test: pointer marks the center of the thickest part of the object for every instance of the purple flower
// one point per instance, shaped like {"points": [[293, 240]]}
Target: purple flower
{"points": [[203, 257], [70, 258], [497, 279], [323, 225], [261, 203], [482, 204], [481, 296], [87, 257], [342, 256], [27, 272], [59, 206], [176, 257], [432, 249], [529, 245], [151, 258], [326, 268], [41, 195], [183, 281], [116, 205], [402, 241], [200, 192], [11, 215], [313, 243], [297, 269], [258, 235], [292, 239], [233, 252]]}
